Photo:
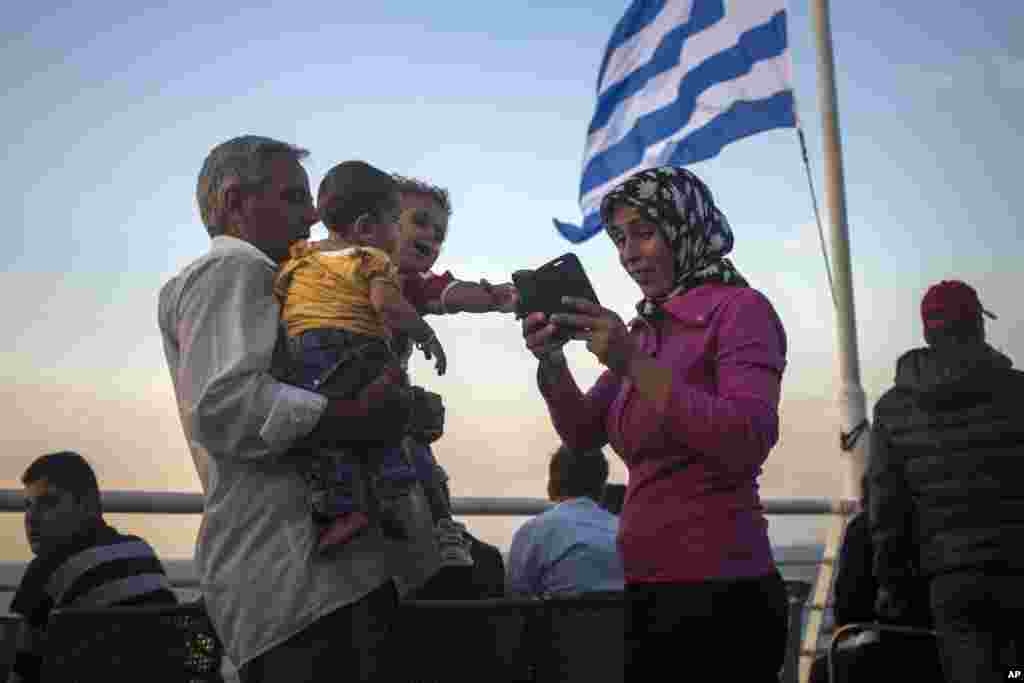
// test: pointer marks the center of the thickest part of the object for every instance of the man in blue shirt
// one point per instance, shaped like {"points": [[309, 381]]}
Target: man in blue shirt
{"points": [[570, 548]]}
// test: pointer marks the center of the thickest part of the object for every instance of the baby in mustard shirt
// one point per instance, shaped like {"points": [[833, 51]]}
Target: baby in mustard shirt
{"points": [[341, 302]]}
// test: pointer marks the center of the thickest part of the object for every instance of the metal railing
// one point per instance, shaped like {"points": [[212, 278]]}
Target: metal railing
{"points": [[178, 503], [181, 503]]}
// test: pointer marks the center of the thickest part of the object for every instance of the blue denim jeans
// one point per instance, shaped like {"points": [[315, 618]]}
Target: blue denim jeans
{"points": [[313, 355], [433, 478]]}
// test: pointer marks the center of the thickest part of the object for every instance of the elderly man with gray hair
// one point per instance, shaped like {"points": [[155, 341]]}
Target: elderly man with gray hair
{"points": [[283, 611]]}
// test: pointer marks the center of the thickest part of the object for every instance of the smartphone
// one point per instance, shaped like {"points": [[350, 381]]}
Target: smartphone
{"points": [[542, 289]]}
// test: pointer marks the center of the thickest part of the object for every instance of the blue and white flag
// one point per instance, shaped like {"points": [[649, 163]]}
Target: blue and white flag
{"points": [[680, 80]]}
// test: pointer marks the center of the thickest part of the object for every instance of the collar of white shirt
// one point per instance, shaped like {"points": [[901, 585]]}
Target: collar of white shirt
{"points": [[228, 243]]}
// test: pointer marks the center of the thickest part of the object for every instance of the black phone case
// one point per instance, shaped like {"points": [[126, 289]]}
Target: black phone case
{"points": [[542, 289]]}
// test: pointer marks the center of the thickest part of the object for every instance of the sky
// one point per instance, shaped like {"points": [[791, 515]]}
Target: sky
{"points": [[110, 108]]}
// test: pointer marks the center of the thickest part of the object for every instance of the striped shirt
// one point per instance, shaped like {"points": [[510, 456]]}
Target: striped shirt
{"points": [[100, 568]]}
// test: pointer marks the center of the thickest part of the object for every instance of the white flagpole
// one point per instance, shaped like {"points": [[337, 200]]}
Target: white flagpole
{"points": [[852, 401], [854, 439]]}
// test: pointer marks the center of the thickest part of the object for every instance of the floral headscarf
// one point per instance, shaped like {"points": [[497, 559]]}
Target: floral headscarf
{"points": [[680, 204]]}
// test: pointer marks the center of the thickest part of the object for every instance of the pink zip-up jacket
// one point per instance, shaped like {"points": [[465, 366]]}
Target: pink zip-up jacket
{"points": [[692, 510]]}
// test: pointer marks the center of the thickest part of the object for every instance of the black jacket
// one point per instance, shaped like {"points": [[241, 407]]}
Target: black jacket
{"points": [[856, 587], [946, 477]]}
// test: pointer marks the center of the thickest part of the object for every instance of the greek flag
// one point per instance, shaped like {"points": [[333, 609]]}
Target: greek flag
{"points": [[680, 80]]}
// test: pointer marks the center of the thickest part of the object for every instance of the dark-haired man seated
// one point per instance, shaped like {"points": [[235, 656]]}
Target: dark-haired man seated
{"points": [[571, 547], [80, 561]]}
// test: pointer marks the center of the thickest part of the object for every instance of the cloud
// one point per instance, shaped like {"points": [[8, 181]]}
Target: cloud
{"points": [[1010, 70], [939, 80], [803, 239], [1002, 71]]}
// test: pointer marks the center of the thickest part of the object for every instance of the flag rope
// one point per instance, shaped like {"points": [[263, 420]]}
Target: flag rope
{"points": [[817, 213]]}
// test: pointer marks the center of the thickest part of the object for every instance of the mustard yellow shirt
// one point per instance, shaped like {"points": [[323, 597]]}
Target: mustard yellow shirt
{"points": [[331, 289]]}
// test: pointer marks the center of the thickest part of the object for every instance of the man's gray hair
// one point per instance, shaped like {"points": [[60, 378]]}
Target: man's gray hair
{"points": [[247, 158]]}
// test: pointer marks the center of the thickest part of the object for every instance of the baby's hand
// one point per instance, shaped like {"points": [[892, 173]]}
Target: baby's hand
{"points": [[432, 348]]}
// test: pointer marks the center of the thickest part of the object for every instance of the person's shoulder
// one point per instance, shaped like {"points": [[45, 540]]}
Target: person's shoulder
{"points": [[743, 311], [750, 296], [570, 514], [713, 299], [859, 523], [560, 511], [522, 538], [112, 536], [534, 522], [111, 542], [215, 276], [596, 512], [192, 271], [605, 513], [1011, 377], [1008, 385], [371, 261], [897, 398], [225, 258], [535, 526], [32, 598], [745, 301], [38, 569], [346, 258], [225, 249], [717, 293], [893, 399]]}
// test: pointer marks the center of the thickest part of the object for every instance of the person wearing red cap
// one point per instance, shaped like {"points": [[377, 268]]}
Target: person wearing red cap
{"points": [[952, 310], [946, 499]]}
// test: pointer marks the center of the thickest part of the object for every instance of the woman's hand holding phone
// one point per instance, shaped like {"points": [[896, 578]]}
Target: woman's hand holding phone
{"points": [[543, 338], [604, 331]]}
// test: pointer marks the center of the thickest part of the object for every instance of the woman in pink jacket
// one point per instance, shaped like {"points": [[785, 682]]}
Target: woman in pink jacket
{"points": [[689, 401]]}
